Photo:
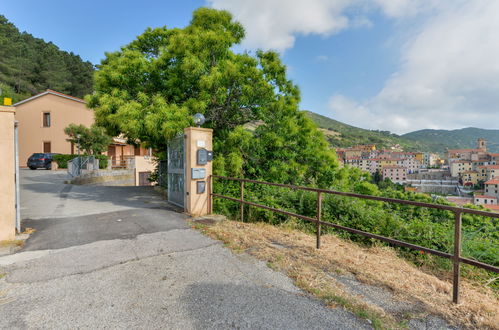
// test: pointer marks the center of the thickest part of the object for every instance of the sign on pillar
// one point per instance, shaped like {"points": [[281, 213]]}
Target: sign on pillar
{"points": [[198, 170]]}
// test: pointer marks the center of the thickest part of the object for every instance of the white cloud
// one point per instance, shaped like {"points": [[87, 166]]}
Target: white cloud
{"points": [[273, 24], [449, 75], [406, 8]]}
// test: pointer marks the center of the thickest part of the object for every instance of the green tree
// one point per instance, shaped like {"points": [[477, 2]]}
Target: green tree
{"points": [[150, 89], [93, 140], [30, 65]]}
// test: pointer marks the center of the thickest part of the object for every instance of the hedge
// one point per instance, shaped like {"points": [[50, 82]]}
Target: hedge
{"points": [[63, 159]]}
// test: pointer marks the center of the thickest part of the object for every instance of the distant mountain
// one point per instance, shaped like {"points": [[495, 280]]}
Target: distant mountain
{"points": [[342, 135], [458, 138], [30, 65]]}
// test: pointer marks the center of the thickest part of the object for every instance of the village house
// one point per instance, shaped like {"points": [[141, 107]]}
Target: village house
{"points": [[459, 166], [490, 198], [492, 187], [470, 178], [42, 119], [397, 174]]}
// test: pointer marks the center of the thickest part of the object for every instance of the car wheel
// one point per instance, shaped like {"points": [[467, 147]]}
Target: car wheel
{"points": [[48, 167], [32, 168]]}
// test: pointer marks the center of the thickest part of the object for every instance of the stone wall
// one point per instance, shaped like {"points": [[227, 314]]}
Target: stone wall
{"points": [[106, 178]]}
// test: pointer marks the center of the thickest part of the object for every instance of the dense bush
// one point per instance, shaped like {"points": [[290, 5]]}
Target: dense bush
{"points": [[63, 159]]}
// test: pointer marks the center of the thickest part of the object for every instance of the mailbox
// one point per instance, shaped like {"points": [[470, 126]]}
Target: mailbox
{"points": [[201, 187], [198, 173], [202, 156], [210, 155]]}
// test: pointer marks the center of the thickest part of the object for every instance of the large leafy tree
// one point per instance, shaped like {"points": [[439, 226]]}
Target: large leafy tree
{"points": [[150, 89]]}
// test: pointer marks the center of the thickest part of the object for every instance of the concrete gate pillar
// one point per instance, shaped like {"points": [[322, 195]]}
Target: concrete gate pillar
{"points": [[7, 174], [198, 169]]}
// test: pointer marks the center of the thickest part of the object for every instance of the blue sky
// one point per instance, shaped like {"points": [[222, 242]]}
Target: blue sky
{"points": [[397, 65]]}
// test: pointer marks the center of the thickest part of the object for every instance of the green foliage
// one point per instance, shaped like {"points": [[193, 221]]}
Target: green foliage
{"points": [[150, 89], [103, 161], [29, 65], [63, 159], [93, 140]]}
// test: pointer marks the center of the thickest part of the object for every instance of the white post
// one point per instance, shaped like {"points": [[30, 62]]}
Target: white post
{"points": [[18, 190]]}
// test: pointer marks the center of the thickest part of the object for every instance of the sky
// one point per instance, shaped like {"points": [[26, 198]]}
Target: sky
{"points": [[397, 65]]}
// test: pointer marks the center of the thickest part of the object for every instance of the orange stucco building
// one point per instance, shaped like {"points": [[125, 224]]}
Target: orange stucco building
{"points": [[42, 119]]}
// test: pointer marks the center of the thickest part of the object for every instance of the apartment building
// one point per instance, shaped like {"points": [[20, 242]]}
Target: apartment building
{"points": [[457, 167], [397, 174]]}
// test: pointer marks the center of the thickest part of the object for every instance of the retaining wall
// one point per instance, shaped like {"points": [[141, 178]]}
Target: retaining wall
{"points": [[106, 178]]}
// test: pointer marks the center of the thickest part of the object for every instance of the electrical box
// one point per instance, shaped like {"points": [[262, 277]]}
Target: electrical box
{"points": [[210, 155], [198, 173], [202, 157], [201, 187]]}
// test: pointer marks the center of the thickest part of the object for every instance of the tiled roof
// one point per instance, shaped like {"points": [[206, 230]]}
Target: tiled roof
{"points": [[492, 207], [493, 181], [464, 150], [49, 91], [485, 196]]}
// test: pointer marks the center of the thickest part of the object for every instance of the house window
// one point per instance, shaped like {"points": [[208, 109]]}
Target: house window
{"points": [[46, 119], [47, 147], [136, 151]]}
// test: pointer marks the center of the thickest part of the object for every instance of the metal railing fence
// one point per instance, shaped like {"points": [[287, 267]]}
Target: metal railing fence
{"points": [[76, 165], [458, 211]]}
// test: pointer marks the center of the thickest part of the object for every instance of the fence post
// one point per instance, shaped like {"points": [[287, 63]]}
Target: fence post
{"points": [[457, 255], [242, 199], [319, 211], [210, 196]]}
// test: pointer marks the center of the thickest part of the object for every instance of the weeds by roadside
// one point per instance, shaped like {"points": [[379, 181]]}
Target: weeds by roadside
{"points": [[321, 273]]}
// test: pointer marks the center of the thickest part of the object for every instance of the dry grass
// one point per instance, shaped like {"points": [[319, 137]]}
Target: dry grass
{"points": [[28, 231], [312, 270], [12, 242], [327, 132]]}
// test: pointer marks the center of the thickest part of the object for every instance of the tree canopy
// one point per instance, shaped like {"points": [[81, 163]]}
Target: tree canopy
{"points": [[93, 140], [150, 88], [29, 65]]}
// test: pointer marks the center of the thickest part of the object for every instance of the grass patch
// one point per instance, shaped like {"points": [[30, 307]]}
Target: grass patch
{"points": [[12, 242], [292, 251]]}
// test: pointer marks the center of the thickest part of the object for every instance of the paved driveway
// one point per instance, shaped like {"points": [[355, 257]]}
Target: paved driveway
{"points": [[119, 257]]}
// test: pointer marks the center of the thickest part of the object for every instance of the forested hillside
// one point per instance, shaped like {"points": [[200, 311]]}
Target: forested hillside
{"points": [[458, 138], [342, 135], [29, 65]]}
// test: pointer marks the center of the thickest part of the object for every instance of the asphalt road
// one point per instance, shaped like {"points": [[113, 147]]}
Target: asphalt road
{"points": [[119, 257]]}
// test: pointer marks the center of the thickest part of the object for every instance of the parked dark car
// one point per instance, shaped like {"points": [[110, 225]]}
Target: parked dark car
{"points": [[40, 160]]}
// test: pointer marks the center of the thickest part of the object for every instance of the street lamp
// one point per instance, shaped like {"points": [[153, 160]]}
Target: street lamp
{"points": [[199, 119]]}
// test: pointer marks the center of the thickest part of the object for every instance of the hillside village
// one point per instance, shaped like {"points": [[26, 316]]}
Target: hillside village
{"points": [[461, 172]]}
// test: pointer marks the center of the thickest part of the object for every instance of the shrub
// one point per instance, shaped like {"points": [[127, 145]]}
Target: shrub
{"points": [[103, 161], [63, 159]]}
